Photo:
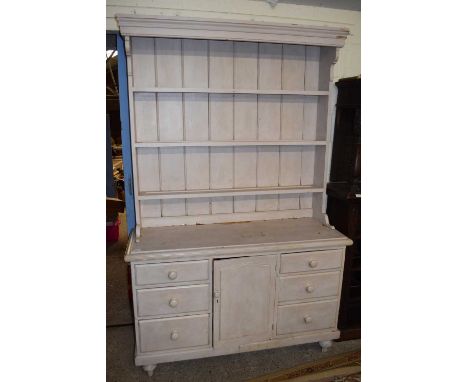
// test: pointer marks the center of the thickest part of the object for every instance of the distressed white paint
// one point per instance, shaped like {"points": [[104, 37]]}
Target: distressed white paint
{"points": [[217, 289], [196, 122], [221, 144], [187, 280]]}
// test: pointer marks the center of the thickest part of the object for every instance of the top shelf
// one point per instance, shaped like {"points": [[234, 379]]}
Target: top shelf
{"points": [[229, 91]]}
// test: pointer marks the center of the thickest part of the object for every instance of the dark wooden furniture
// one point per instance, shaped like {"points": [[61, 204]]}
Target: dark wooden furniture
{"points": [[344, 200]]}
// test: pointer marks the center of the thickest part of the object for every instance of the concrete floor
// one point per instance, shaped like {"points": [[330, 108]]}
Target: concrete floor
{"points": [[236, 367], [118, 308]]}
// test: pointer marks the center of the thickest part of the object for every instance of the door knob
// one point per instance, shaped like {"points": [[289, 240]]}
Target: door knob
{"points": [[173, 302], [309, 288], [307, 319], [174, 335], [172, 275], [313, 263]]}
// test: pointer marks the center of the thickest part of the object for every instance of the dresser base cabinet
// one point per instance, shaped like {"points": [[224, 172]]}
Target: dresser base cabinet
{"points": [[208, 290]]}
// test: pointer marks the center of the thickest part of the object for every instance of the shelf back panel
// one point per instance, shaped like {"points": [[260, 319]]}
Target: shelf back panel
{"points": [[180, 116]]}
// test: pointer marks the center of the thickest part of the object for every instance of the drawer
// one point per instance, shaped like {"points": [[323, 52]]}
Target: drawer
{"points": [[173, 333], [311, 261], [172, 300], [164, 273], [306, 317], [303, 287]]}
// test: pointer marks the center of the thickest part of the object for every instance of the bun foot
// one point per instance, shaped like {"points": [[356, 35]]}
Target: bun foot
{"points": [[149, 369], [325, 345]]}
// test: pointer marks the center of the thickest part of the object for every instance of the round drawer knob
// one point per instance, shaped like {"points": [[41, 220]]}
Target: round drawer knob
{"points": [[173, 302], [313, 263], [309, 288], [172, 275], [307, 319], [174, 335]]}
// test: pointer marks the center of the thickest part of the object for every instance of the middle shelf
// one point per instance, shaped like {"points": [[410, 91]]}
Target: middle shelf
{"points": [[230, 91], [189, 194]]}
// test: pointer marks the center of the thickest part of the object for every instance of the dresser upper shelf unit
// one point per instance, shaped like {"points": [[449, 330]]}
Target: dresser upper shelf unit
{"points": [[229, 143], [230, 91], [230, 120]]}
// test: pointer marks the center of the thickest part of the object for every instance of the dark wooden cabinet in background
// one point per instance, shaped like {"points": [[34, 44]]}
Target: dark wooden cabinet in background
{"points": [[344, 199]]}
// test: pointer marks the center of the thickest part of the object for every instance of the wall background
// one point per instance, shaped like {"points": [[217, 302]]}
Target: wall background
{"points": [[336, 13]]}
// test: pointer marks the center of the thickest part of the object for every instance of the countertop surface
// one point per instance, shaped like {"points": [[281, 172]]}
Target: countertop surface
{"points": [[234, 235]]}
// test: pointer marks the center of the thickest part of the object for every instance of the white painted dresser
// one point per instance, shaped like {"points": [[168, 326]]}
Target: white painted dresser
{"points": [[231, 132]]}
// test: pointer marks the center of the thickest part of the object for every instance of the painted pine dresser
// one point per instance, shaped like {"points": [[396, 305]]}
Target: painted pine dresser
{"points": [[231, 131]]}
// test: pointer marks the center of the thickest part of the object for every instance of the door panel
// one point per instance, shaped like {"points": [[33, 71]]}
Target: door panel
{"points": [[244, 290]]}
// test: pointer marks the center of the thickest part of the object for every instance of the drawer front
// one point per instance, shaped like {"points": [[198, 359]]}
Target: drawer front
{"points": [[309, 286], [306, 317], [311, 261], [164, 273], [173, 333], [173, 300]]}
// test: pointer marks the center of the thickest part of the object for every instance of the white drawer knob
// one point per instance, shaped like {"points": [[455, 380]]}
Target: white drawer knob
{"points": [[174, 335], [307, 319], [173, 302], [309, 288], [313, 263], [172, 275]]}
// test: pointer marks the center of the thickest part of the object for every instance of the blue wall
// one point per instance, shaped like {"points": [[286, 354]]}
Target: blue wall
{"points": [[126, 138]]}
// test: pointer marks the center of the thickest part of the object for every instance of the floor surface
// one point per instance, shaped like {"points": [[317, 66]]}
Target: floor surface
{"points": [[236, 367], [118, 308]]}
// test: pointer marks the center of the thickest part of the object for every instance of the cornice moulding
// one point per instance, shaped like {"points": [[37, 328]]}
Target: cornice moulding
{"points": [[223, 29]]}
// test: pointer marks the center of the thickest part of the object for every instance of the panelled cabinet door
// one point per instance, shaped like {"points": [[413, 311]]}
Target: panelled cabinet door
{"points": [[244, 295]]}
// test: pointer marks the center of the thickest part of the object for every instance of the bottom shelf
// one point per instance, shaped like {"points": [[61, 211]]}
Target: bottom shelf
{"points": [[222, 218]]}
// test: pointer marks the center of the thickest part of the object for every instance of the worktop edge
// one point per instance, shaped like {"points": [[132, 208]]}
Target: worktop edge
{"points": [[233, 250]]}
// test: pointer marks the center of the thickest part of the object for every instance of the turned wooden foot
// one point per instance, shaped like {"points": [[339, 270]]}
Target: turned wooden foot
{"points": [[149, 369], [325, 345]]}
